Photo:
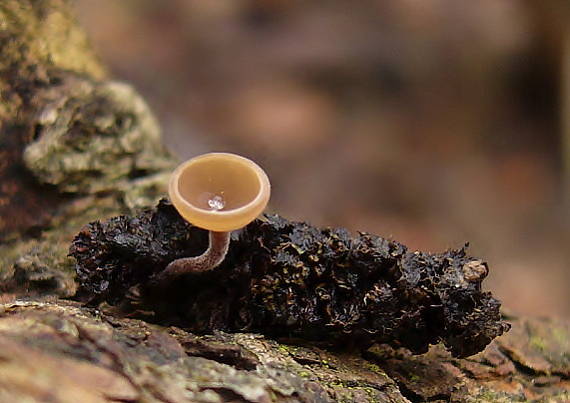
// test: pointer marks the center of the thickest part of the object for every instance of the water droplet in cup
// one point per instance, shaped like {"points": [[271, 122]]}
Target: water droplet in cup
{"points": [[216, 203]]}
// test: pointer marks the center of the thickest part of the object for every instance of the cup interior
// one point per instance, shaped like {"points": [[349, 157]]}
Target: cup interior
{"points": [[219, 183]]}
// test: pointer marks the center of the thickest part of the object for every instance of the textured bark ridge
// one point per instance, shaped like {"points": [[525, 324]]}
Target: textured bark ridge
{"points": [[43, 50], [63, 352], [64, 129], [73, 145], [285, 278]]}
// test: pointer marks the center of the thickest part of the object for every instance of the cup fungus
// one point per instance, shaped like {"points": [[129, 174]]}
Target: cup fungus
{"points": [[220, 192]]}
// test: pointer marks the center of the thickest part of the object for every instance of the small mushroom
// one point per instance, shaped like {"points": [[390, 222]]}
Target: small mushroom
{"points": [[219, 192]]}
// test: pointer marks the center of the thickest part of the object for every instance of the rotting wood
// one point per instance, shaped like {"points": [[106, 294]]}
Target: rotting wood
{"points": [[287, 278]]}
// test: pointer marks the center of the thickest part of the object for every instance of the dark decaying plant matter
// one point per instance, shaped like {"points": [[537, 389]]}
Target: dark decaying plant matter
{"points": [[284, 278]]}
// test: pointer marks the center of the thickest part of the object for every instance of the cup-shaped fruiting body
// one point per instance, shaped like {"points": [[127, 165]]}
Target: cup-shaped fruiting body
{"points": [[219, 191]]}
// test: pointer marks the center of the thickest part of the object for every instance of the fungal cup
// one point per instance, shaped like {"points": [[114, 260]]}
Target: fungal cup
{"points": [[220, 192]]}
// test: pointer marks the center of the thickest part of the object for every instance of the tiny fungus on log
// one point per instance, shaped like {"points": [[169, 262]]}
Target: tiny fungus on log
{"points": [[280, 278], [219, 192]]}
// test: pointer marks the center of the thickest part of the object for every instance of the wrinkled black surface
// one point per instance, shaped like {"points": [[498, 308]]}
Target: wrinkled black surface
{"points": [[286, 278]]}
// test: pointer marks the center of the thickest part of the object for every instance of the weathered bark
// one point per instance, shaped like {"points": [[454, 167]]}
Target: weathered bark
{"points": [[72, 143], [76, 147], [60, 350]]}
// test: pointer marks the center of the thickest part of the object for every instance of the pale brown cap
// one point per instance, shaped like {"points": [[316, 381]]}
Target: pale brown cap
{"points": [[219, 191]]}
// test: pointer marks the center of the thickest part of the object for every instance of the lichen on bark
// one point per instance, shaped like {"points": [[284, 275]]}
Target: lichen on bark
{"points": [[73, 144]]}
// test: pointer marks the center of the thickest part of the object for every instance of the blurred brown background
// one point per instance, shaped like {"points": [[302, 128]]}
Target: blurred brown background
{"points": [[432, 122]]}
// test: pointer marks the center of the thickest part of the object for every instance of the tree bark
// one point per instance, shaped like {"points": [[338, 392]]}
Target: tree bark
{"points": [[76, 147]]}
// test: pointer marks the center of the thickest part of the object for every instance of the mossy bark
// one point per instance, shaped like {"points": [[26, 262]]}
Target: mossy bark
{"points": [[73, 144], [76, 147]]}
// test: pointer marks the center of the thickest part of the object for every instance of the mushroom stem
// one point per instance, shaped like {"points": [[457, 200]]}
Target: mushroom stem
{"points": [[211, 258]]}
